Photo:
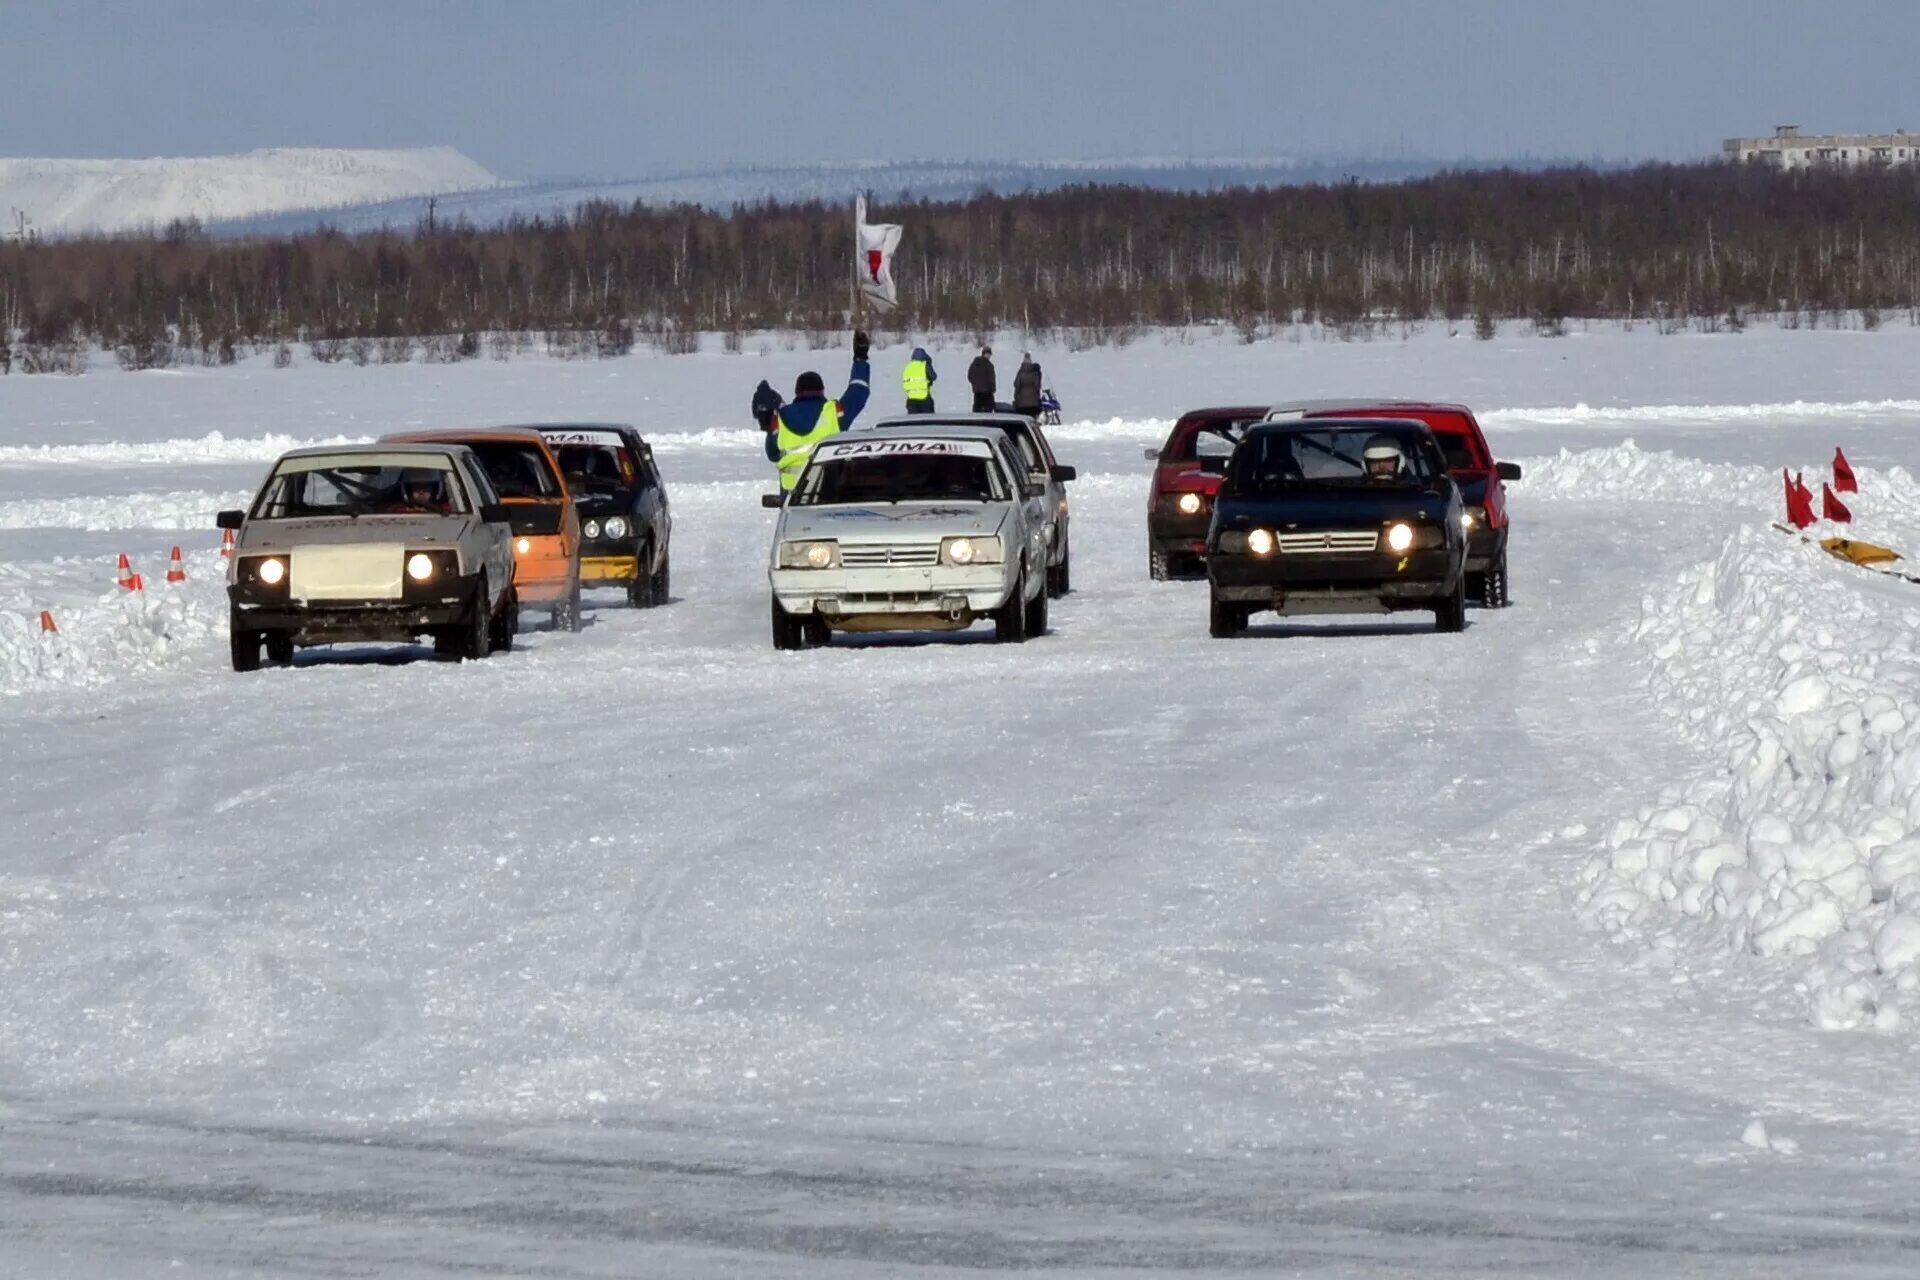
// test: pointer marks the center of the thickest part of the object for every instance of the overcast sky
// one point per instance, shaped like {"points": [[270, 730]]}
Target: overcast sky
{"points": [[612, 88]]}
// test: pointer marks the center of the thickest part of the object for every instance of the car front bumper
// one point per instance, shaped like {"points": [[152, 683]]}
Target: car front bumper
{"points": [[1336, 583], [1179, 534], [342, 621], [609, 567], [840, 596], [1484, 547]]}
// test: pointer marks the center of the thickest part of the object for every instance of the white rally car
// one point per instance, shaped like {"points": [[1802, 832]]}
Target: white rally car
{"points": [[925, 530]]}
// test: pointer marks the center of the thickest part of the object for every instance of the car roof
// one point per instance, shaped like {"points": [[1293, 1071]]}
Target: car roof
{"points": [[1231, 411], [1304, 424], [1364, 404], [939, 430], [377, 446], [576, 426], [455, 435], [993, 422]]}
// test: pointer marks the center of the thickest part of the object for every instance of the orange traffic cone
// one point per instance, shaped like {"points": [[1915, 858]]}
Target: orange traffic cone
{"points": [[46, 623], [135, 583], [176, 572], [226, 544], [127, 577]]}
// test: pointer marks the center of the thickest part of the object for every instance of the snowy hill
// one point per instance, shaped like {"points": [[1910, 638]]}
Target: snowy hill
{"points": [[932, 180], [68, 197]]}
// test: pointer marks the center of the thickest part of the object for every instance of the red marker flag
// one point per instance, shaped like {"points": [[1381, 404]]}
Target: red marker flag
{"points": [[873, 266], [1843, 481], [1831, 508], [1799, 501]]}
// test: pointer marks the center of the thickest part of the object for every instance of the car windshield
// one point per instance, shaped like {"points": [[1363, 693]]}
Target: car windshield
{"points": [[364, 486], [1337, 457], [517, 468], [901, 477], [597, 466]]}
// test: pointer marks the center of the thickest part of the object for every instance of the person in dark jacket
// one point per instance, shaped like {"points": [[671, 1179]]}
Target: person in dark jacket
{"points": [[981, 378], [766, 403], [917, 379], [1026, 387], [808, 418]]}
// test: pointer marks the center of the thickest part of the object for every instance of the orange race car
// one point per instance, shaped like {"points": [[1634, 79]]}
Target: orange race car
{"points": [[546, 528]]}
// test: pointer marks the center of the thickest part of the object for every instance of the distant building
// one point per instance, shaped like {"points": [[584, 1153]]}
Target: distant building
{"points": [[1788, 148]]}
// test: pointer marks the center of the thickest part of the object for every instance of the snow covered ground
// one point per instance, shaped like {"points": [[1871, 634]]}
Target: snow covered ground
{"points": [[1582, 942]]}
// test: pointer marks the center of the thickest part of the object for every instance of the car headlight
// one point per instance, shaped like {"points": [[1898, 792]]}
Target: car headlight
{"points": [[615, 527], [965, 551], [810, 555], [272, 571], [591, 529], [1473, 517], [1260, 542], [1400, 537], [1189, 504], [523, 545], [419, 566]]}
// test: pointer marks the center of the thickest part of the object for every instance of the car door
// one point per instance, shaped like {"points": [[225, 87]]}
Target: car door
{"points": [[1057, 477], [1030, 496], [1033, 466], [493, 543]]}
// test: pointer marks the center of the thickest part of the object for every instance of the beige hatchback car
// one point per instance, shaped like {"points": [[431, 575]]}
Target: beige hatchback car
{"points": [[376, 542]]}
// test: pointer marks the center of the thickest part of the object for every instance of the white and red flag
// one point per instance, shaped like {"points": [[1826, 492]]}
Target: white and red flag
{"points": [[873, 268]]}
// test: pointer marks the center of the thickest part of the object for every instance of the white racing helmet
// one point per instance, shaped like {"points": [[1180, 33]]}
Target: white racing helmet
{"points": [[1382, 458]]}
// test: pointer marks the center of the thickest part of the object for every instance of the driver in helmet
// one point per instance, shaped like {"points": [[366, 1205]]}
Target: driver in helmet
{"points": [[1383, 460], [422, 490]]}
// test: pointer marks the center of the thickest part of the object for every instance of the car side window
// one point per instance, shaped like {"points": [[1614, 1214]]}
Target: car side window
{"points": [[477, 483], [1028, 449]]}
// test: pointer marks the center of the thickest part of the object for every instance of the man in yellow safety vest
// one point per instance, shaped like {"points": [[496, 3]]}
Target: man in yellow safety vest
{"points": [[917, 381], [808, 418]]}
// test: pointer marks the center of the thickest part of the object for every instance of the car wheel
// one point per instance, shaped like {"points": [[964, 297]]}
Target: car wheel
{"points": [[640, 587], [468, 637], [280, 648], [1010, 619], [1493, 593], [1060, 576], [246, 644], [789, 632], [1159, 565], [1225, 619], [814, 632], [505, 623], [1451, 614], [663, 579], [566, 614], [1035, 621]]}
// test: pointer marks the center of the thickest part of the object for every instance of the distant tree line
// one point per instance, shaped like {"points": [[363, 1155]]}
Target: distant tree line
{"points": [[1670, 245]]}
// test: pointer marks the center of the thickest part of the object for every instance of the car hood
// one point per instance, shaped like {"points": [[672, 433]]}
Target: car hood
{"points": [[617, 503], [1329, 509], [892, 521], [333, 531]]}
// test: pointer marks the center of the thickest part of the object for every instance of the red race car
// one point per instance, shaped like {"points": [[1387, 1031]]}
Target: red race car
{"points": [[1180, 499], [1481, 480]]}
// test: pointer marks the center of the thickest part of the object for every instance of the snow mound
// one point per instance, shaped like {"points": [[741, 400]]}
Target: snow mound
{"points": [[1801, 675], [65, 197], [107, 636], [1614, 415], [1625, 472], [212, 447]]}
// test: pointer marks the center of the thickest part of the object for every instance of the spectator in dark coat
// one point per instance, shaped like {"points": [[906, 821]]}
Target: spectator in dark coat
{"points": [[1026, 387], [980, 377], [766, 403]]}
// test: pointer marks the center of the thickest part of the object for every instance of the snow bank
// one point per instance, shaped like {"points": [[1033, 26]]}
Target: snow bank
{"points": [[214, 446], [180, 510], [1801, 675], [1616, 415], [1628, 473], [105, 636]]}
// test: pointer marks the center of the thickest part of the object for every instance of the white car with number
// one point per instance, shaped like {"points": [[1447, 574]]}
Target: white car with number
{"points": [[902, 530]]}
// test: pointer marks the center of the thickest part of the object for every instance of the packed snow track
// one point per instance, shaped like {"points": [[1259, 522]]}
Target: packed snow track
{"points": [[651, 950]]}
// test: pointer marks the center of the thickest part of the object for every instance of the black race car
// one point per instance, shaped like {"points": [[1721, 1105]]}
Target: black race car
{"points": [[1337, 516], [626, 529]]}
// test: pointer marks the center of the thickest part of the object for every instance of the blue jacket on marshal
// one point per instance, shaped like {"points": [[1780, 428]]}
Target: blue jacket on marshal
{"points": [[802, 412]]}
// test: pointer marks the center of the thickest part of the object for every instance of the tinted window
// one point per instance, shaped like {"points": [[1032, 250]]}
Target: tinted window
{"points": [[1214, 438], [598, 466], [517, 469]]}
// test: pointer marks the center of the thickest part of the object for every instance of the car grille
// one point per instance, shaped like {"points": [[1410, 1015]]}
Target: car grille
{"points": [[1326, 541], [921, 555]]}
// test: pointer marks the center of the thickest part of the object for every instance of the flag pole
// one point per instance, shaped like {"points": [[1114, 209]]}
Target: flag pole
{"points": [[859, 293]]}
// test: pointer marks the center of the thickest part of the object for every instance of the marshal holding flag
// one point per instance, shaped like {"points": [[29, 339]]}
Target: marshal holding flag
{"points": [[873, 268]]}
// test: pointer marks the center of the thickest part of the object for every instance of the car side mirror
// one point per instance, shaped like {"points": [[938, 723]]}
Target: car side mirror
{"points": [[229, 519], [1507, 470], [495, 513], [1150, 453], [773, 501], [1065, 473]]}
